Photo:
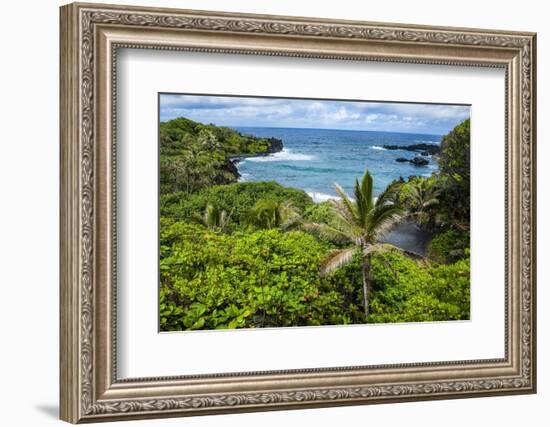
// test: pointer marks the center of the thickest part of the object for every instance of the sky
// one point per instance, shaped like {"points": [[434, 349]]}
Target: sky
{"points": [[436, 119]]}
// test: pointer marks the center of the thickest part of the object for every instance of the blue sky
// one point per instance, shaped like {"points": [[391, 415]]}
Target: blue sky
{"points": [[434, 119]]}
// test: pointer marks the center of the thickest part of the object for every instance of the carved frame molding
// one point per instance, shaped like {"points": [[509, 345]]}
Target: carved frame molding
{"points": [[90, 37]]}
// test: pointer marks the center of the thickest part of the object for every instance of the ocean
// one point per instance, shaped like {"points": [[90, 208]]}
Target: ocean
{"points": [[314, 159]]}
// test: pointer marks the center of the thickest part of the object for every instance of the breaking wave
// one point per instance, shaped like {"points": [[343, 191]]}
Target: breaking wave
{"points": [[282, 156]]}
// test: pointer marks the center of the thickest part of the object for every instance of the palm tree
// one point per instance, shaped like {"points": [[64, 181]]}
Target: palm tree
{"points": [[215, 218], [267, 213], [420, 199], [361, 222]]}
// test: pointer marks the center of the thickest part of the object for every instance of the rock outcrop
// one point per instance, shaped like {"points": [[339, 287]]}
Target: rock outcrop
{"points": [[423, 149], [417, 161], [275, 145]]}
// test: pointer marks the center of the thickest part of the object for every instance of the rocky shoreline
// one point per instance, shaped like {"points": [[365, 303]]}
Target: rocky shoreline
{"points": [[423, 149], [275, 146], [417, 160]]}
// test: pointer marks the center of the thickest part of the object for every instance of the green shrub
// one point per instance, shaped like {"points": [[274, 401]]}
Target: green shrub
{"points": [[259, 279], [268, 278], [176, 134], [454, 165], [194, 156], [236, 198], [413, 292], [319, 212], [246, 278], [449, 246]]}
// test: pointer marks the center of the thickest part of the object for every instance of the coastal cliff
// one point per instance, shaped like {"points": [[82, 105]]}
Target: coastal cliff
{"points": [[194, 155], [274, 146]]}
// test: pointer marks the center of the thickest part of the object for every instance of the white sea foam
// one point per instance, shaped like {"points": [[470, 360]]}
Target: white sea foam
{"points": [[377, 147], [320, 197], [281, 156], [244, 177]]}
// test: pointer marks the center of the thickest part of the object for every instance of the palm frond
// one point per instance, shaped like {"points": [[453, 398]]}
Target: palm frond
{"points": [[341, 212], [289, 216], [389, 194], [223, 219], [263, 214], [422, 196], [287, 210], [363, 197], [214, 217], [383, 218], [325, 231], [291, 223], [430, 202], [416, 192], [384, 261], [209, 215], [336, 259], [229, 216], [382, 248], [344, 207]]}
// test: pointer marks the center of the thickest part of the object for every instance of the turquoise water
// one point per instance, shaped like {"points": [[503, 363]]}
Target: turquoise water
{"points": [[314, 159]]}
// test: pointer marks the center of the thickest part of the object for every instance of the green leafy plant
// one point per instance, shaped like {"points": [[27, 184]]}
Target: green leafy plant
{"points": [[215, 218], [361, 222], [250, 279], [237, 198], [454, 165], [258, 254], [194, 156], [414, 292], [421, 200], [268, 213], [449, 246]]}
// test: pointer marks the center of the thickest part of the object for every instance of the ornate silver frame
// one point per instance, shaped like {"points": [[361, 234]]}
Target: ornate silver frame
{"points": [[90, 36]]}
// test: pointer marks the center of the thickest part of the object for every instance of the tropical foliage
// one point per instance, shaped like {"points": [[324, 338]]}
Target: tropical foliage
{"points": [[215, 218], [267, 213], [237, 198], [421, 200], [454, 164], [257, 254], [361, 223], [262, 278], [194, 156], [406, 291]]}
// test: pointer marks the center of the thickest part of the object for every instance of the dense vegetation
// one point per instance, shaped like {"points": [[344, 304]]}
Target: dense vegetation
{"points": [[236, 198], [194, 156], [257, 254]]}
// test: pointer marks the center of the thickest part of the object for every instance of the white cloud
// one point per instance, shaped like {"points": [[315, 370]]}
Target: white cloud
{"points": [[246, 111]]}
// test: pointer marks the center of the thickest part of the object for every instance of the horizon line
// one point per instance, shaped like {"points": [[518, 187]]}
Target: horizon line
{"points": [[345, 130], [303, 127]]}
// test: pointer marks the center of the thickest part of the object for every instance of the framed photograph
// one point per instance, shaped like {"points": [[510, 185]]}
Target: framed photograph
{"points": [[266, 212]]}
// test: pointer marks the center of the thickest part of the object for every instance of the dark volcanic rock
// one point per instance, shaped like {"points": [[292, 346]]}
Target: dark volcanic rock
{"points": [[429, 149], [417, 161], [231, 167], [275, 145]]}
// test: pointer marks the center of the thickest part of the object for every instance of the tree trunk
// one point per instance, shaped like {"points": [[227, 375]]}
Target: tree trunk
{"points": [[366, 278]]}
